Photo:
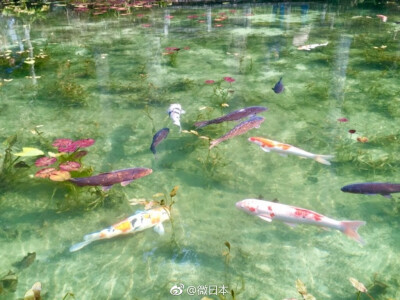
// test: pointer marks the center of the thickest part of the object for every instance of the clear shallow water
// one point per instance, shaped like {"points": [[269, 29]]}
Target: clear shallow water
{"points": [[110, 79]]}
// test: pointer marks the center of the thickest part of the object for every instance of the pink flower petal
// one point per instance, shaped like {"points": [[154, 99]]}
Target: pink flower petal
{"points": [[45, 161], [84, 143], [210, 81], [69, 148], [229, 79], [44, 173], [343, 120], [70, 166], [193, 17], [62, 142]]}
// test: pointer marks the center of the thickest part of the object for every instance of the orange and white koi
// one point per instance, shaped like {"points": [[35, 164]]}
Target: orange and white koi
{"points": [[137, 222], [285, 149], [291, 215]]}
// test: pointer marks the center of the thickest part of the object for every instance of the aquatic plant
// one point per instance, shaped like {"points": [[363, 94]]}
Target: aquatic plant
{"points": [[221, 92], [68, 296], [228, 271], [14, 169], [360, 288], [302, 290]]}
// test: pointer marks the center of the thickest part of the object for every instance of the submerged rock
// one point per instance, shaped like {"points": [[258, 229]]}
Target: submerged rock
{"points": [[8, 283]]}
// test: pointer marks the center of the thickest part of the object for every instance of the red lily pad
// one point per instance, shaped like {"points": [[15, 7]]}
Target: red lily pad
{"points": [[62, 142], [45, 173], [45, 161], [84, 143], [229, 79], [68, 148], [70, 166]]}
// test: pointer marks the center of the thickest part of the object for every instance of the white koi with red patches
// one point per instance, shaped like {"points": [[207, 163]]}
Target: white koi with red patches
{"points": [[285, 149], [137, 222], [291, 215]]}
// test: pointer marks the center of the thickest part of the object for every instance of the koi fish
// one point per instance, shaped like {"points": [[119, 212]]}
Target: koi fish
{"points": [[158, 138], [243, 127], [291, 215], [137, 222], [312, 46], [373, 188], [107, 180], [174, 111], [285, 149], [278, 88], [233, 116]]}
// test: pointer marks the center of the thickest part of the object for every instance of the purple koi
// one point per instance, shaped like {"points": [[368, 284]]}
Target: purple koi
{"points": [[107, 180]]}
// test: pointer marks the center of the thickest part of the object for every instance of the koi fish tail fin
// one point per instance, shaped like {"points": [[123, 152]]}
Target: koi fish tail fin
{"points": [[92, 236], [201, 124], [323, 159], [87, 239], [79, 246], [350, 228]]}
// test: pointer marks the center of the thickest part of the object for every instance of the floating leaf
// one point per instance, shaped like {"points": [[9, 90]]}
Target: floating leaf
{"points": [[225, 105], [173, 192], [194, 132], [52, 154], [60, 175], [28, 151], [301, 288], [358, 285]]}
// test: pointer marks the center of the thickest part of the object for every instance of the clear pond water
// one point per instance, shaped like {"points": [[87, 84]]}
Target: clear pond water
{"points": [[111, 77]]}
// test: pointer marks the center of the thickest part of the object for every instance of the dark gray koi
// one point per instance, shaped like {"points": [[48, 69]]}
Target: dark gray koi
{"points": [[158, 138]]}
